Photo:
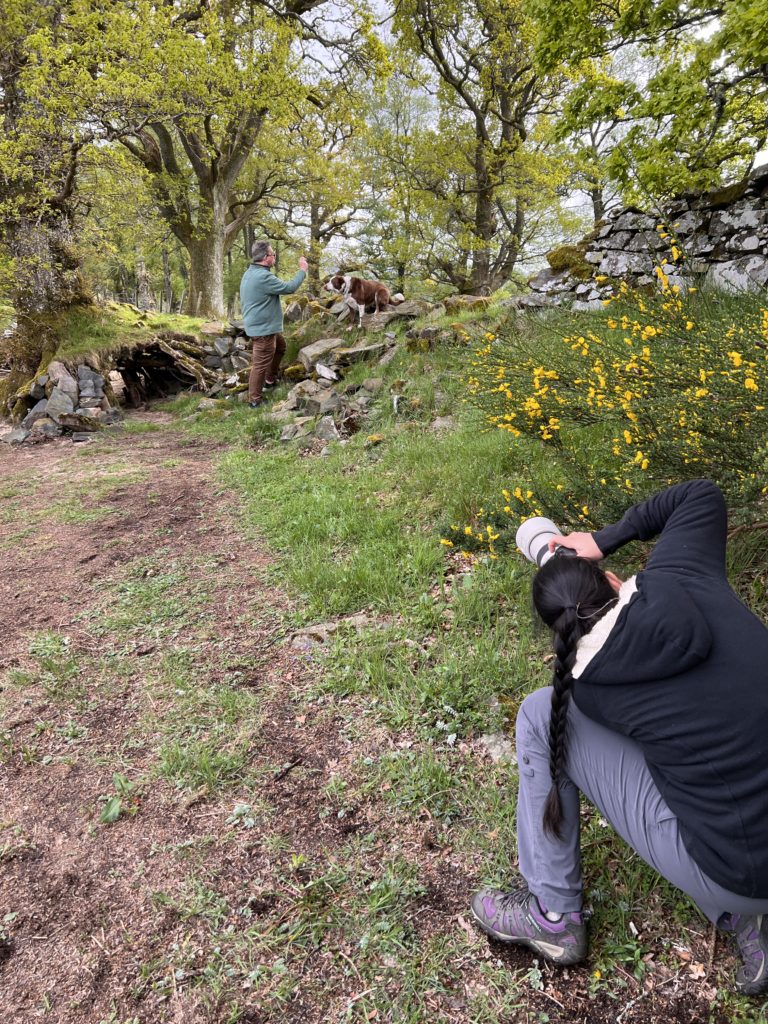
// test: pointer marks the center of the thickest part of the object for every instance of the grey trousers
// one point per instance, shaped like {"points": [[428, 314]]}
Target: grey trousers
{"points": [[611, 772]]}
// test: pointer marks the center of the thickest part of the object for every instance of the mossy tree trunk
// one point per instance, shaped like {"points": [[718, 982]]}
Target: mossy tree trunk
{"points": [[36, 212], [37, 184]]}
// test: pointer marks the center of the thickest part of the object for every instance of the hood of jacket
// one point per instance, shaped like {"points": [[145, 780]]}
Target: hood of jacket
{"points": [[654, 631]]}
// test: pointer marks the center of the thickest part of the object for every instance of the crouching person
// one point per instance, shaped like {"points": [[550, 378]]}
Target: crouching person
{"points": [[658, 714]]}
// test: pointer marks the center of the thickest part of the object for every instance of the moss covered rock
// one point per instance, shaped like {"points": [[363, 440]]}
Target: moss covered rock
{"points": [[570, 258]]}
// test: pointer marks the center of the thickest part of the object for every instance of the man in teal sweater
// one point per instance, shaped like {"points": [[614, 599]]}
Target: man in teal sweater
{"points": [[260, 293]]}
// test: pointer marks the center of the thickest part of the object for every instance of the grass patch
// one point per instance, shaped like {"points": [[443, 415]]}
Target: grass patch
{"points": [[202, 765], [93, 329], [360, 530], [56, 670], [140, 427]]}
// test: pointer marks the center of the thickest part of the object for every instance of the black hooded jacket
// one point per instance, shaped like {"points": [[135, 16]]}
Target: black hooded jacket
{"points": [[683, 671]]}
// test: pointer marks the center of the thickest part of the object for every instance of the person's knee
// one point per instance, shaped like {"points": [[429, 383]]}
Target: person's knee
{"points": [[534, 713]]}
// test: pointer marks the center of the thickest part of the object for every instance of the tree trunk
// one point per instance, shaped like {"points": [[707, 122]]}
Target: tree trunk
{"points": [[248, 239], [167, 283], [315, 247], [505, 264], [232, 299], [485, 222], [48, 273], [144, 297], [206, 274], [46, 281], [598, 203]]}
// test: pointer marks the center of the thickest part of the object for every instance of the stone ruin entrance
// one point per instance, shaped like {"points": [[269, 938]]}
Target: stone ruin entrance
{"points": [[149, 373]]}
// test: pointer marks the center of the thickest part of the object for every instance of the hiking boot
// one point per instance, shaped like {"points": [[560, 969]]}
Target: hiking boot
{"points": [[256, 404], [517, 917], [270, 383], [752, 939]]}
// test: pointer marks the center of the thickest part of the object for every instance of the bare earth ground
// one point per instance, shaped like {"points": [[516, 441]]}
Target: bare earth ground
{"points": [[169, 635]]}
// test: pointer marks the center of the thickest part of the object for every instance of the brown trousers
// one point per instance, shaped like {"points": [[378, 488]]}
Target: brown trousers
{"points": [[268, 350]]}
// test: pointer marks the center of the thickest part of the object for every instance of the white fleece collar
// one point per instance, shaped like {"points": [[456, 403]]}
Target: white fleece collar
{"points": [[591, 643]]}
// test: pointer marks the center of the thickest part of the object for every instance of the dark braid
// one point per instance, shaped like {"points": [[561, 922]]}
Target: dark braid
{"points": [[570, 595], [565, 639]]}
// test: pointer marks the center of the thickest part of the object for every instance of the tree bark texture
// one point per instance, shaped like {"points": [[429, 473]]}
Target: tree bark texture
{"points": [[206, 276], [48, 274]]}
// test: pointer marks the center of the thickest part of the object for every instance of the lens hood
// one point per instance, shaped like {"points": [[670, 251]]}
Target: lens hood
{"points": [[533, 538]]}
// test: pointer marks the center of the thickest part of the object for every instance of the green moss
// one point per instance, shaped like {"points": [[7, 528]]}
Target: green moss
{"points": [[9, 386], [571, 258], [725, 196]]}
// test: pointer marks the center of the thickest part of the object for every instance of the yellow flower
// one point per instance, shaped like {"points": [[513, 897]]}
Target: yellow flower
{"points": [[448, 543], [750, 384], [468, 530], [736, 358]]}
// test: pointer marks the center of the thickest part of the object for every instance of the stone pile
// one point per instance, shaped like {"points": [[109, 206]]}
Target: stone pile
{"points": [[308, 310], [319, 409], [226, 347], [322, 406], [721, 236], [65, 402]]}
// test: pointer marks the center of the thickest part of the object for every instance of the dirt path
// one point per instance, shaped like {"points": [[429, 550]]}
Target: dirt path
{"points": [[85, 907], [47, 578]]}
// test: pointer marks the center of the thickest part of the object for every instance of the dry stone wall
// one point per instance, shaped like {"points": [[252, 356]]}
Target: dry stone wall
{"points": [[77, 402], [721, 238]]}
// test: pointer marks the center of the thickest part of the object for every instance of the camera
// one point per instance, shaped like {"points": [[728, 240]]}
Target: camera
{"points": [[533, 537]]}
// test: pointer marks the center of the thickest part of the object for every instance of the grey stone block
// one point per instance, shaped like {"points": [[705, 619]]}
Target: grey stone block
{"points": [[59, 404]]}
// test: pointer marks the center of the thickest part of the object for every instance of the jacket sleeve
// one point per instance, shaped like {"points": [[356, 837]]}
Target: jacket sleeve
{"points": [[690, 520], [274, 286]]}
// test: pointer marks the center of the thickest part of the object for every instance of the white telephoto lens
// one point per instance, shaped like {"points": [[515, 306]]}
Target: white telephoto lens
{"points": [[533, 537]]}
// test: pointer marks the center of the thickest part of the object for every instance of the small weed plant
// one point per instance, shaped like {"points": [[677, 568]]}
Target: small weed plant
{"points": [[124, 801]]}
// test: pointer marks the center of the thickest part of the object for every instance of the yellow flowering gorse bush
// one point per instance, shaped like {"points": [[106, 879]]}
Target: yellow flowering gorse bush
{"points": [[656, 389]]}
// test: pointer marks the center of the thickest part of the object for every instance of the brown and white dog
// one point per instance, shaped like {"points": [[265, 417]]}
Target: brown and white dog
{"points": [[358, 293]]}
